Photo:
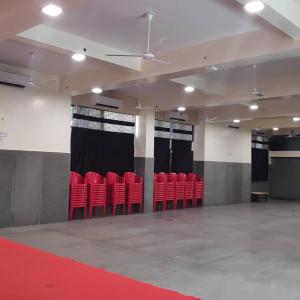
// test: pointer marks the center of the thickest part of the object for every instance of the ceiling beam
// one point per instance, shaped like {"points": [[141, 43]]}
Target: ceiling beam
{"points": [[248, 48], [284, 15], [72, 43]]}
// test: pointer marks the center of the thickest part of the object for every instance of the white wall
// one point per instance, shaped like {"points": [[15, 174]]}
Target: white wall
{"points": [[35, 121], [227, 145]]}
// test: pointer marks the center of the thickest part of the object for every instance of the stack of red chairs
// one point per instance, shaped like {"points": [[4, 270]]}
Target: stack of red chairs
{"points": [[198, 188], [159, 192], [116, 191], [96, 192], [170, 189], [188, 188], [180, 189], [177, 187], [78, 194], [134, 186]]}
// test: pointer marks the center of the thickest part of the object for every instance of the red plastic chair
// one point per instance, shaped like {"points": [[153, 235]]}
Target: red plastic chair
{"points": [[189, 191], [78, 194], [180, 189], [134, 186], [170, 192], [96, 192], [199, 188], [116, 191], [158, 192]]}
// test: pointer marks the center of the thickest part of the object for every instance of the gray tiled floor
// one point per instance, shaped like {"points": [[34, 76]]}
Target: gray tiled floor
{"points": [[234, 252]]}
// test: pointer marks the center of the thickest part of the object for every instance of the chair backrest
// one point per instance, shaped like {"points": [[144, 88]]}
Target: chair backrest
{"points": [[163, 177], [92, 177], [173, 177], [182, 177], [194, 177], [129, 177], [76, 178], [114, 178]]}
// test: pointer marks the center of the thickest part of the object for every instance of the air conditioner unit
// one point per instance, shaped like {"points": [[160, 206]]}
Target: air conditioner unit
{"points": [[178, 116], [12, 79], [105, 102]]}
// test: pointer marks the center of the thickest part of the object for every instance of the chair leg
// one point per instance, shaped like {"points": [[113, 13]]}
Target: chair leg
{"points": [[71, 214], [91, 211], [174, 204], [84, 213], [164, 205], [95, 210], [124, 209], [114, 209], [104, 211], [141, 207], [129, 208], [194, 202]]}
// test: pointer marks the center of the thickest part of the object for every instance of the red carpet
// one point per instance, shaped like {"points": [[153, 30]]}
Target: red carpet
{"points": [[31, 274]]}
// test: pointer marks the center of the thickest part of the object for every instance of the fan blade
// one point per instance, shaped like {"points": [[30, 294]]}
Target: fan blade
{"points": [[159, 60], [124, 55], [144, 107], [31, 84]]}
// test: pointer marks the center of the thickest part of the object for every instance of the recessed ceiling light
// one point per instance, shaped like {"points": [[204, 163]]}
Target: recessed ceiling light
{"points": [[296, 119], [78, 57], [181, 108], [189, 89], [52, 10], [254, 6], [275, 128], [97, 90], [236, 121], [253, 106]]}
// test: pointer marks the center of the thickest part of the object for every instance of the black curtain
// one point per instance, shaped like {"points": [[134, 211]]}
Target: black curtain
{"points": [[260, 164], [161, 155], [101, 151], [182, 156], [117, 152]]}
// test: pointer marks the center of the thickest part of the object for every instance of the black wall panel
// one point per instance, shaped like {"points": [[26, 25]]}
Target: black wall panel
{"points": [[284, 143], [285, 178], [260, 164]]}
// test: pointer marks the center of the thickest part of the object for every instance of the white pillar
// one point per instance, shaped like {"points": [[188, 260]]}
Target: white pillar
{"points": [[144, 154]]}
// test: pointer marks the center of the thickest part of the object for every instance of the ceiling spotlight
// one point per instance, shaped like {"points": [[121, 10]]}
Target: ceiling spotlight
{"points": [[254, 6], [97, 90], [78, 57], [52, 10], [236, 121], [253, 106], [275, 129], [296, 119], [181, 108], [189, 89]]}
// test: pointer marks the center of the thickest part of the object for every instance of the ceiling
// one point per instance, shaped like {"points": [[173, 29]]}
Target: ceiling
{"points": [[193, 34], [177, 23]]}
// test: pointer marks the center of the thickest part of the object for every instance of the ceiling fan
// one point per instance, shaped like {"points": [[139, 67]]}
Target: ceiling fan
{"points": [[254, 91], [148, 54], [292, 134]]}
